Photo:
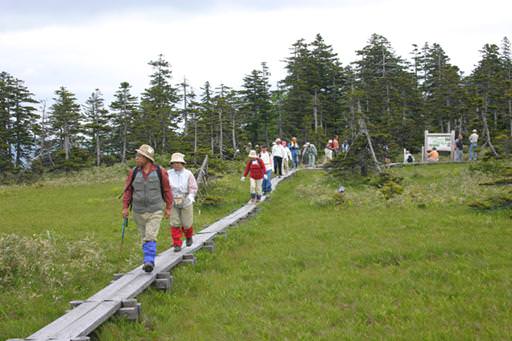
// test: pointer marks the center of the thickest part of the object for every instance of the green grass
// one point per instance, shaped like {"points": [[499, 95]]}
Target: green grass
{"points": [[422, 265]]}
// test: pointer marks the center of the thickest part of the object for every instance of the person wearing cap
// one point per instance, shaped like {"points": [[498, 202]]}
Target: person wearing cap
{"points": [[278, 155], [184, 190], [256, 169], [310, 154], [267, 160], [473, 144], [149, 195]]}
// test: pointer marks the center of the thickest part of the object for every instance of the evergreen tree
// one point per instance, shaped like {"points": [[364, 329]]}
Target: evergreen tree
{"points": [[65, 119], [124, 111], [97, 123], [6, 100], [159, 115]]}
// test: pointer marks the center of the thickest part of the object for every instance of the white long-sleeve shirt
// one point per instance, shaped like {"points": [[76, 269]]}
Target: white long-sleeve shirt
{"points": [[278, 150], [183, 185], [267, 160], [473, 138]]}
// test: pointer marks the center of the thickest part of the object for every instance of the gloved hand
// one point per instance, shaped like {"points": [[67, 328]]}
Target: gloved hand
{"points": [[191, 198], [242, 178]]}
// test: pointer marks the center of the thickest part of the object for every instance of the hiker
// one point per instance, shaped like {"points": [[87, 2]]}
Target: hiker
{"points": [[295, 150], [267, 161], [310, 153], [336, 145], [256, 169], [345, 146], [329, 150], [287, 157], [408, 157], [184, 189], [473, 144], [278, 155], [147, 191], [432, 155], [459, 149]]}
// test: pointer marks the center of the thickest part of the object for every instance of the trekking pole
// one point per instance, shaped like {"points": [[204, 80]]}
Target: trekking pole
{"points": [[124, 226]]}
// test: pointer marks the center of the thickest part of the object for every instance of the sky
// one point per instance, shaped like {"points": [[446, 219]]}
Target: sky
{"points": [[84, 45]]}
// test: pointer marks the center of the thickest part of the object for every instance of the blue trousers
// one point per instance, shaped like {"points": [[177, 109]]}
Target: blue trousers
{"points": [[267, 184], [149, 250]]}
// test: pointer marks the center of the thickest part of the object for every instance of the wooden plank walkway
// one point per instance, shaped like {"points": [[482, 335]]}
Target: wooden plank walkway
{"points": [[118, 297]]}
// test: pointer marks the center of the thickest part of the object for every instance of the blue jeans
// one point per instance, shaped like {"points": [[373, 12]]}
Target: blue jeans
{"points": [[472, 151], [295, 158], [267, 184]]}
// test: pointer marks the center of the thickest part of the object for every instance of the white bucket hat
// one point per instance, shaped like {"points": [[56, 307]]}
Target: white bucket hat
{"points": [[177, 157], [252, 154], [474, 130], [147, 151]]}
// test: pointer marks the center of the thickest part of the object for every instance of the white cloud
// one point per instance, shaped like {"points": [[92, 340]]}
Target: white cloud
{"points": [[224, 45]]}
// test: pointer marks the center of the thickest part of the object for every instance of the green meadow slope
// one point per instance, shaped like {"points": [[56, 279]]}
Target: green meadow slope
{"points": [[421, 265]]}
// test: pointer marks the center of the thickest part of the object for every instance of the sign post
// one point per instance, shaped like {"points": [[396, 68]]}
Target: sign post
{"points": [[443, 142]]}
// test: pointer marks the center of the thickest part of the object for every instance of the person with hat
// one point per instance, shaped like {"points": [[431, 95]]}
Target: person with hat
{"points": [[256, 169], [473, 144], [149, 195], [310, 153], [278, 155], [184, 189]]}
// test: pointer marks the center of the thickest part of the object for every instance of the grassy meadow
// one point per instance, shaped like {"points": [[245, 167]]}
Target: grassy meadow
{"points": [[422, 264]]}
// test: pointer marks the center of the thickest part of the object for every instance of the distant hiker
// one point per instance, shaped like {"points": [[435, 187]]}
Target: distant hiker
{"points": [[248, 147], [278, 155], [329, 151], [432, 155], [473, 144], [408, 158], [310, 153], [295, 150], [287, 157], [267, 161], [147, 191], [256, 169], [336, 145], [459, 149], [345, 146], [184, 189]]}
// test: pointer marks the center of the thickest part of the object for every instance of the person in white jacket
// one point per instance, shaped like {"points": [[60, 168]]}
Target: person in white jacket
{"points": [[278, 155], [267, 160], [287, 157], [184, 189]]}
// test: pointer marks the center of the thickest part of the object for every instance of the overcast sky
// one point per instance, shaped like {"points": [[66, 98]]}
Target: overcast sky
{"points": [[84, 45]]}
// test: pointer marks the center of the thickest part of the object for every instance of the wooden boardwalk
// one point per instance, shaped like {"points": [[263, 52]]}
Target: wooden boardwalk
{"points": [[119, 297]]}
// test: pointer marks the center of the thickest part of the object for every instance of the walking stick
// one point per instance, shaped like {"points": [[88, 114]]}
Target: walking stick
{"points": [[124, 226]]}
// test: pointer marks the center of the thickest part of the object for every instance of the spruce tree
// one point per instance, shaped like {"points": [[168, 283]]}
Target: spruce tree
{"points": [[97, 123], [124, 111], [65, 119]]}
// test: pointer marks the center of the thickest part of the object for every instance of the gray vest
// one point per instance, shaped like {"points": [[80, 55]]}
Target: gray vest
{"points": [[147, 197]]}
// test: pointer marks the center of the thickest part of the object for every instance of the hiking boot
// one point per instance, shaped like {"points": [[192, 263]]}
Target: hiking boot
{"points": [[177, 248], [148, 267], [189, 241]]}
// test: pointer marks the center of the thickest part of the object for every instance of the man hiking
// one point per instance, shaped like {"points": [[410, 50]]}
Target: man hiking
{"points": [[149, 195]]}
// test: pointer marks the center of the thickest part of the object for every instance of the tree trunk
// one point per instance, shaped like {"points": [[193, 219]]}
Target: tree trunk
{"points": [[483, 114], [233, 130], [315, 111], [98, 150]]}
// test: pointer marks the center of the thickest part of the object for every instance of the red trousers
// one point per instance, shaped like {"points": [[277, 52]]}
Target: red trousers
{"points": [[176, 233]]}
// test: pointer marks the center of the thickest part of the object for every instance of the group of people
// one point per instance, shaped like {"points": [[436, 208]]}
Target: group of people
{"points": [[433, 154], [333, 148], [154, 193]]}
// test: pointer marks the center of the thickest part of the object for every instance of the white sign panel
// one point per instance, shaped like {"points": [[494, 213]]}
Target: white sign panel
{"points": [[442, 142]]}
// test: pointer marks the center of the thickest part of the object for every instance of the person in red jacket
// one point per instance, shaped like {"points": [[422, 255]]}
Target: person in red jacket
{"points": [[256, 169]]}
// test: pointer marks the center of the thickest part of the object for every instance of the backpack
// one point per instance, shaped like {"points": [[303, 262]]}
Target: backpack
{"points": [[134, 174], [409, 158]]}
